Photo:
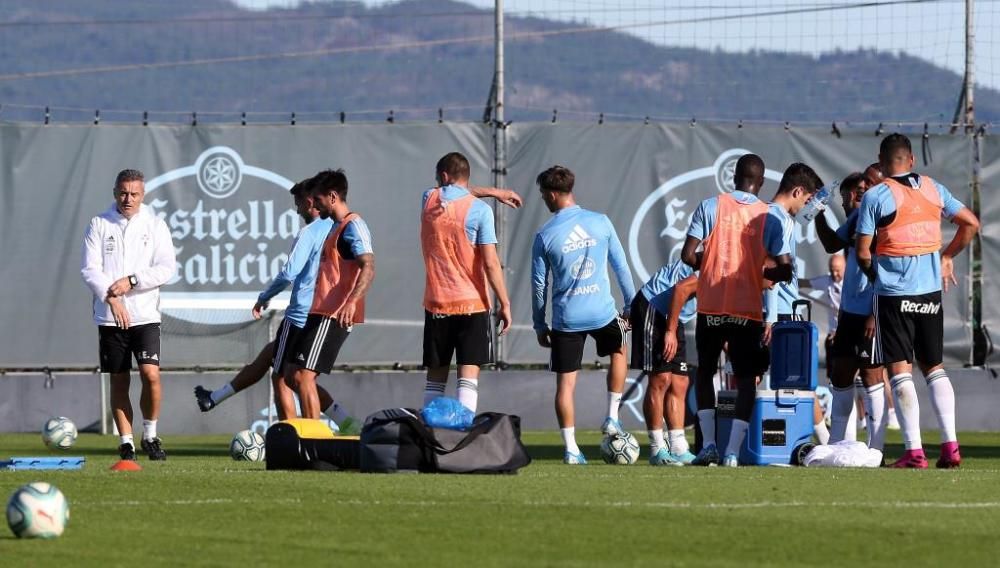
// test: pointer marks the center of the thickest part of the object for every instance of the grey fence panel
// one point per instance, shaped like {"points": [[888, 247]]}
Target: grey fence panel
{"points": [[650, 178], [223, 192]]}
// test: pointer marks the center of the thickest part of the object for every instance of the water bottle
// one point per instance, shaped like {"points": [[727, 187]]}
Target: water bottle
{"points": [[817, 203]]}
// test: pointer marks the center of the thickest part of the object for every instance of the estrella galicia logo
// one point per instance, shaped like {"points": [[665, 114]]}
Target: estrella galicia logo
{"points": [[232, 225]]}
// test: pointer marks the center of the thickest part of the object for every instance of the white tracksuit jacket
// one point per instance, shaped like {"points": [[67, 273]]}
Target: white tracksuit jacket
{"points": [[115, 247]]}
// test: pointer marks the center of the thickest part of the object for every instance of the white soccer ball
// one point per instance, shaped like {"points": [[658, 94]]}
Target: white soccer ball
{"points": [[620, 449], [37, 510], [247, 445], [59, 433]]}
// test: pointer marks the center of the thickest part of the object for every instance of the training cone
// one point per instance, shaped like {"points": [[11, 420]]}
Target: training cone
{"points": [[126, 465]]}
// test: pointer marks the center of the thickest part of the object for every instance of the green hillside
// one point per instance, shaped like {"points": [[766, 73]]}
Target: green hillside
{"points": [[605, 72]]}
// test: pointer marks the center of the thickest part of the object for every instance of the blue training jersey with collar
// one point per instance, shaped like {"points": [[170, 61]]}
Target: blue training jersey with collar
{"points": [[479, 226], [576, 246], [659, 290], [301, 268], [903, 275], [857, 291]]}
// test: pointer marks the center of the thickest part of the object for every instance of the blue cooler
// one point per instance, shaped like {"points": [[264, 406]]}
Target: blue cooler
{"points": [[781, 426]]}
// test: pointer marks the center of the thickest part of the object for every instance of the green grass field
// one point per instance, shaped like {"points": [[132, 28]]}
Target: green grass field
{"points": [[200, 508]]}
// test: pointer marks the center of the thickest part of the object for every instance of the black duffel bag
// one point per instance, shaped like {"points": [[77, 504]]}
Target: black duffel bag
{"points": [[397, 439]]}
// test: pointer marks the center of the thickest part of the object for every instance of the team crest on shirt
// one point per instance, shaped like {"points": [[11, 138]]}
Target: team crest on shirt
{"points": [[583, 268], [232, 225]]}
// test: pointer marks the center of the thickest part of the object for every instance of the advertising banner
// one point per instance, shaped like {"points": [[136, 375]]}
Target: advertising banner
{"points": [[223, 192]]}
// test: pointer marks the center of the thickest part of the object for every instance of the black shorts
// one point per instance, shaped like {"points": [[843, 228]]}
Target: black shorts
{"points": [[567, 346], [467, 336], [649, 326], [319, 344], [908, 325], [850, 342], [747, 353], [118, 346], [284, 344]]}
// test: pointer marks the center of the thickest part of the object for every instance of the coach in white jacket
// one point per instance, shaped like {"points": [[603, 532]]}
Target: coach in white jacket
{"points": [[127, 255]]}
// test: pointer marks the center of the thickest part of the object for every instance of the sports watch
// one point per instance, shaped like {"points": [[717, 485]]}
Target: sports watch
{"points": [[132, 280]]}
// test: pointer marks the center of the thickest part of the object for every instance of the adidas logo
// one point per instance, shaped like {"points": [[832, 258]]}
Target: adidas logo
{"points": [[578, 239]]}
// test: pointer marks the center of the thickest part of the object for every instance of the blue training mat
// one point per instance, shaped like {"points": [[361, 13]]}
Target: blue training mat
{"points": [[21, 464]]}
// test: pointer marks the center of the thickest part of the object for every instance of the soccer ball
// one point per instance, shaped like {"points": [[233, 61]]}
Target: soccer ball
{"points": [[621, 449], [37, 510], [59, 433], [247, 445]]}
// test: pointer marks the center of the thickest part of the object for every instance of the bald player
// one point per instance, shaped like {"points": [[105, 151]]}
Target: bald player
{"points": [[736, 236]]}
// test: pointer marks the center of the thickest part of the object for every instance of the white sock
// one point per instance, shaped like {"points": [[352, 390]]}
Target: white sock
{"points": [[337, 412], [851, 434], [943, 402], [656, 441], [736, 436], [821, 433], [678, 442], [876, 415], [706, 418], [907, 410], [222, 393], [148, 429], [126, 439], [569, 439], [468, 393], [614, 401], [840, 415], [432, 390]]}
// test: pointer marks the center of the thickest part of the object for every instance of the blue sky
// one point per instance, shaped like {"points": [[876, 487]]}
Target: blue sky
{"points": [[932, 30]]}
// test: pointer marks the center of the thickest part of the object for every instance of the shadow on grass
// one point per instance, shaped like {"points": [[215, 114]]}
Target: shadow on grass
{"points": [[555, 452], [933, 450], [176, 451], [892, 451]]}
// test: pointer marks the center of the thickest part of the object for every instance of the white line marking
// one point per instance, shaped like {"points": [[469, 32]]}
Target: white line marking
{"points": [[567, 504]]}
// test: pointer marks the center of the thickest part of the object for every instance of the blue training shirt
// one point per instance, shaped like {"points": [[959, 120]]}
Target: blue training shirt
{"points": [[704, 217], [356, 239], [778, 300], [659, 290], [301, 268], [479, 225], [903, 275], [857, 291], [575, 246]]}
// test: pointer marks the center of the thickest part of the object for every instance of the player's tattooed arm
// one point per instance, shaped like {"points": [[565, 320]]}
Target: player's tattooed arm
{"points": [[345, 315], [508, 197], [968, 226]]}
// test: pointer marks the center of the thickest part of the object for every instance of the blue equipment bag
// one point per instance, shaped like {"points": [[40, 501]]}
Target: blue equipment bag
{"points": [[781, 426]]}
